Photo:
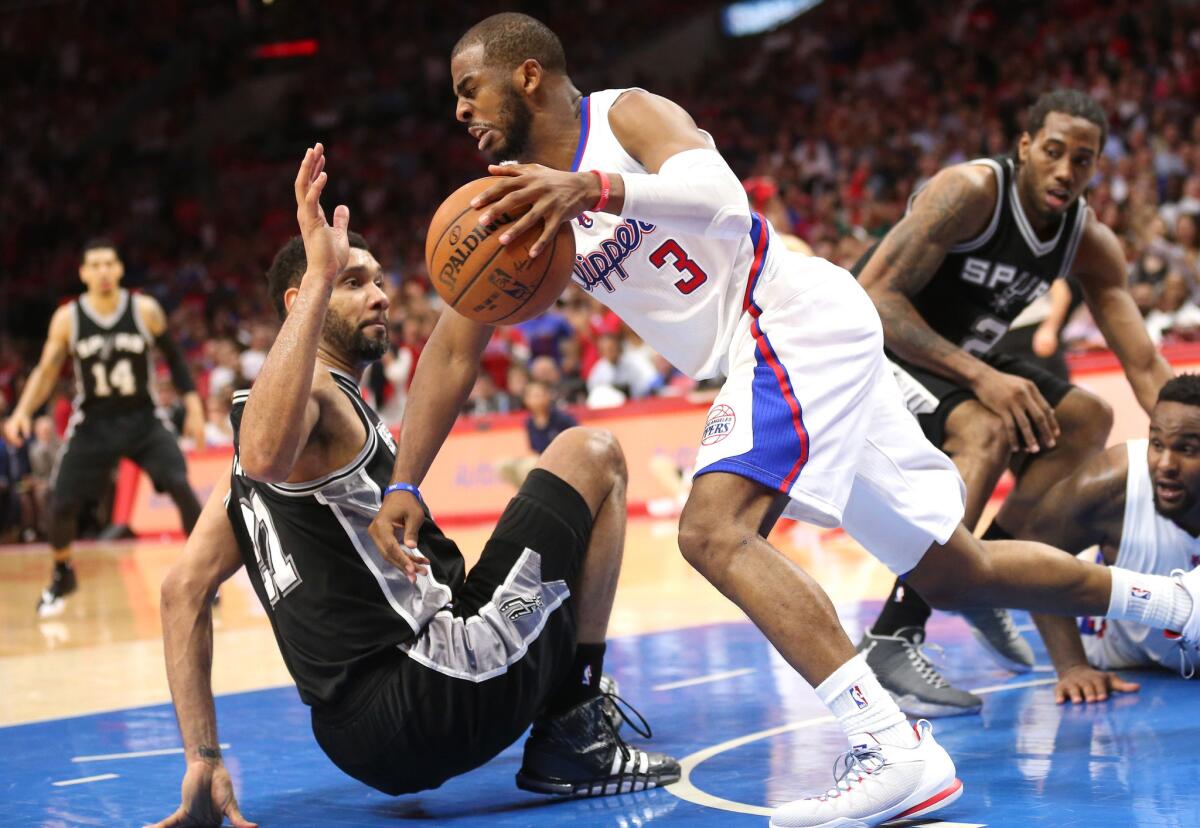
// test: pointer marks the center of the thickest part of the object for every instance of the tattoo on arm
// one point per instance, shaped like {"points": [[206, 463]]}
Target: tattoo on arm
{"points": [[948, 212], [209, 753]]}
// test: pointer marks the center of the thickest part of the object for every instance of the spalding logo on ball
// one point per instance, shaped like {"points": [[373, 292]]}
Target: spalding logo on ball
{"points": [[484, 280]]}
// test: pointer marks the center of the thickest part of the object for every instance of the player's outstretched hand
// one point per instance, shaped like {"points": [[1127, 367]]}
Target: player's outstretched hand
{"points": [[1028, 418], [17, 429], [326, 248], [553, 197], [400, 516], [1087, 684], [207, 800]]}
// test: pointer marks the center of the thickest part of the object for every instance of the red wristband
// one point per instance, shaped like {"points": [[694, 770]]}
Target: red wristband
{"points": [[605, 189]]}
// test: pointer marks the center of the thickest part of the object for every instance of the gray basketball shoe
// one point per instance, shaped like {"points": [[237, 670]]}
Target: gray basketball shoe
{"points": [[995, 630], [900, 663]]}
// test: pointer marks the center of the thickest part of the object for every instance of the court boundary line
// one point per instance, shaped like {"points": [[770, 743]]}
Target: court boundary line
{"points": [[85, 780], [686, 790], [711, 677], [137, 754]]}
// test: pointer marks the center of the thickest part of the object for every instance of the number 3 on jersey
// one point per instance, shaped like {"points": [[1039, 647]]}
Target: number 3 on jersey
{"points": [[279, 575], [671, 251]]}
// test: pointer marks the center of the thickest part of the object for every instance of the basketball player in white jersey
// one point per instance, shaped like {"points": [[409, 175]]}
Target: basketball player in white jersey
{"points": [[809, 422], [1140, 503]]}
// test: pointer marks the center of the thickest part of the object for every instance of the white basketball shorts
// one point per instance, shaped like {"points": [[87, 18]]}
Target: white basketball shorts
{"points": [[811, 408]]}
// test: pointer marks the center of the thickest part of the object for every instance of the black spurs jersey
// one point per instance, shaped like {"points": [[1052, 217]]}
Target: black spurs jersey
{"points": [[333, 600], [984, 284], [114, 358]]}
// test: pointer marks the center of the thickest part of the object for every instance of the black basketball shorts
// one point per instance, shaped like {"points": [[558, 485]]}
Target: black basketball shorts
{"points": [[86, 461], [931, 398], [478, 674]]}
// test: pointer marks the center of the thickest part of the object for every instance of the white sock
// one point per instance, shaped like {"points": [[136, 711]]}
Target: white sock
{"points": [[861, 705], [1154, 600]]}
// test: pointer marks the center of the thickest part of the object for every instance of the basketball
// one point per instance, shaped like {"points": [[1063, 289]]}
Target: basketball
{"points": [[484, 280]]}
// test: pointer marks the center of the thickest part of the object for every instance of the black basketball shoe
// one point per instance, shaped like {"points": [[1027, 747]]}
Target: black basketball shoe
{"points": [[580, 753], [62, 584]]}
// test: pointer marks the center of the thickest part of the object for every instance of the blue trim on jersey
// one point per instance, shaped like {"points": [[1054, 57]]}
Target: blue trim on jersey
{"points": [[758, 236], [585, 124], [758, 227], [777, 455]]}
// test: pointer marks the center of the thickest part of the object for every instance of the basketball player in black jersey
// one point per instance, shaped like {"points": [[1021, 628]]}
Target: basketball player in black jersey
{"points": [[980, 243], [110, 335], [415, 670]]}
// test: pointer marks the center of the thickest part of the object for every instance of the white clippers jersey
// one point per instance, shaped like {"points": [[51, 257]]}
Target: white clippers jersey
{"points": [[681, 293], [1152, 544]]}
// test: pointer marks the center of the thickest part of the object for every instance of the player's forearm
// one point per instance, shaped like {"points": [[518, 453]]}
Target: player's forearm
{"points": [[692, 192], [1147, 381], [1061, 636], [273, 421], [37, 390], [193, 405], [187, 646], [439, 389], [911, 338]]}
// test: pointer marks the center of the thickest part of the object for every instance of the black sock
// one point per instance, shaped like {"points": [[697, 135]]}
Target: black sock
{"points": [[997, 532], [582, 681], [904, 608]]}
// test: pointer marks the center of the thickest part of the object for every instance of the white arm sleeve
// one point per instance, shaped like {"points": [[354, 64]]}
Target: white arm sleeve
{"points": [[694, 191]]}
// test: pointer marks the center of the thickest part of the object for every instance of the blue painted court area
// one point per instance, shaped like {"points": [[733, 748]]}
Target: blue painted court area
{"points": [[754, 733]]}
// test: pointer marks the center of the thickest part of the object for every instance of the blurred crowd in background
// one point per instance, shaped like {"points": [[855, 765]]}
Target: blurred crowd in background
{"points": [[168, 128]]}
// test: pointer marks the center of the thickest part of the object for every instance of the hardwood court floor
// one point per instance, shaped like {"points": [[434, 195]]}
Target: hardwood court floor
{"points": [[87, 739]]}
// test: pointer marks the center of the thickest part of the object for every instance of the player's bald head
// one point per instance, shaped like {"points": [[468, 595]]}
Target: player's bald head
{"points": [[510, 38]]}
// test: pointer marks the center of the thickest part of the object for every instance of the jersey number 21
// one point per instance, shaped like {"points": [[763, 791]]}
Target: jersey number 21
{"points": [[279, 575]]}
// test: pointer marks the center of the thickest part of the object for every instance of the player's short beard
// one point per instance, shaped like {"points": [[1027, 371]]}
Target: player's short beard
{"points": [[1185, 506], [515, 121], [352, 341]]}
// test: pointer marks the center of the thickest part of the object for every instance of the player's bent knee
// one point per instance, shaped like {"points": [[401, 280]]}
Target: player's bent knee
{"points": [[707, 544], [589, 459], [1085, 419], [980, 435], [599, 448]]}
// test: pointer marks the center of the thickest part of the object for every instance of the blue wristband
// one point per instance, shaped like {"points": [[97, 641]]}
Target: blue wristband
{"points": [[405, 487]]}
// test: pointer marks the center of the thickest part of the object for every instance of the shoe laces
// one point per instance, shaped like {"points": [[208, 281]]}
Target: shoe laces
{"points": [[918, 656], [1005, 619], [853, 766], [1187, 667], [615, 714], [1000, 617]]}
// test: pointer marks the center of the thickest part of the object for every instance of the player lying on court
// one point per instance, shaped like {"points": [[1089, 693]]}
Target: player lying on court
{"points": [[110, 335], [810, 419], [979, 243], [414, 673], [1140, 503]]}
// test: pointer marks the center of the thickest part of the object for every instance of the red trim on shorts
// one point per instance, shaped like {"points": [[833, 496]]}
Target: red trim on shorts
{"points": [[789, 396]]}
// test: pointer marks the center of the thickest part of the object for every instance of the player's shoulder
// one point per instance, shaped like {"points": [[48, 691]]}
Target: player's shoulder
{"points": [[957, 204], [1100, 483], [62, 319], [147, 306], [636, 106], [969, 185]]}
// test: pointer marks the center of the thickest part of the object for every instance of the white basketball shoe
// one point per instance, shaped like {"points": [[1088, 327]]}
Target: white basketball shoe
{"points": [[876, 783]]}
